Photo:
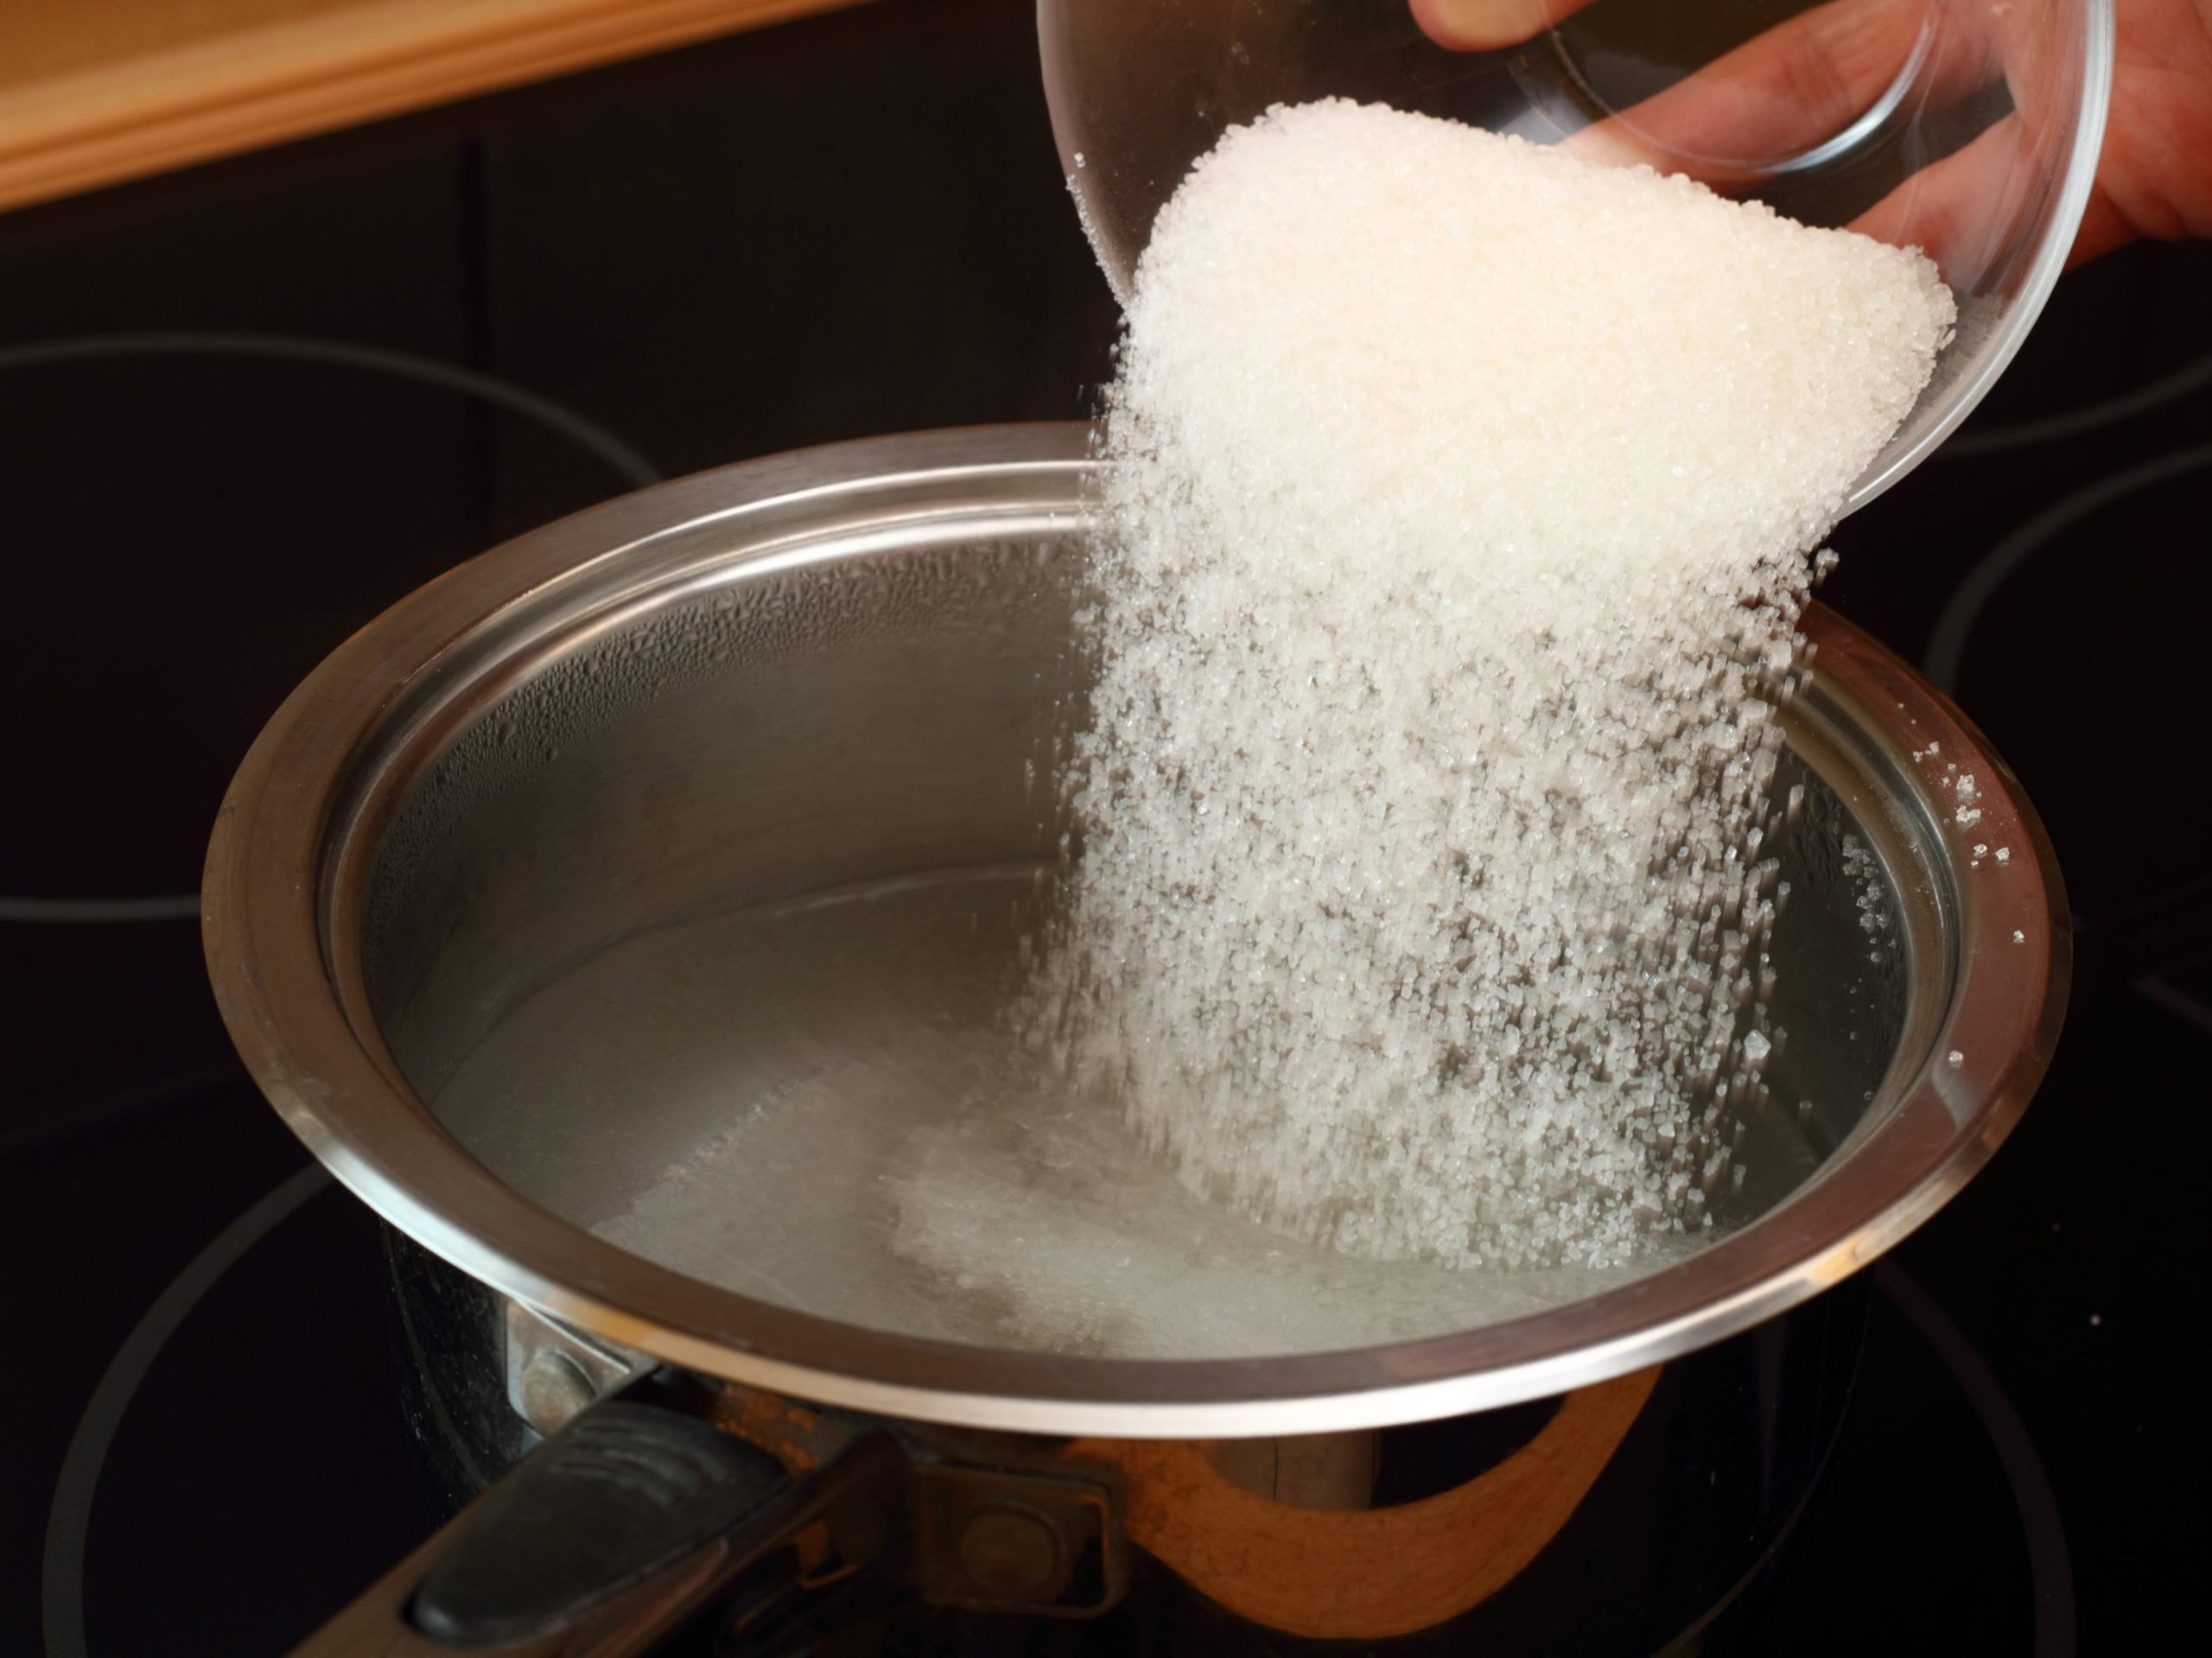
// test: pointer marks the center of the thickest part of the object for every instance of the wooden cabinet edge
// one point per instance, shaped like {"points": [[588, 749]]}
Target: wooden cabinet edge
{"points": [[176, 109]]}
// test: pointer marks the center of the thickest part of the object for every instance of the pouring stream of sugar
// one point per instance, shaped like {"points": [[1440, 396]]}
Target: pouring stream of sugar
{"points": [[1462, 502]]}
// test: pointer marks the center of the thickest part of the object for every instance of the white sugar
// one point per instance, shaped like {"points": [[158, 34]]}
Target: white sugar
{"points": [[1461, 505]]}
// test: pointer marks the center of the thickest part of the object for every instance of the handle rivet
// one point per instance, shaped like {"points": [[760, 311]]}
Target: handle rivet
{"points": [[1012, 1552], [551, 1389]]}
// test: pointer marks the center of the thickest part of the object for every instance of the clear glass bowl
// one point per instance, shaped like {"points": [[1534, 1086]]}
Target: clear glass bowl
{"points": [[1969, 128]]}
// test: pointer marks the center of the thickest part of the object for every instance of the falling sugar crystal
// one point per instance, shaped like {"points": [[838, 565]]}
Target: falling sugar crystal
{"points": [[1460, 509]]}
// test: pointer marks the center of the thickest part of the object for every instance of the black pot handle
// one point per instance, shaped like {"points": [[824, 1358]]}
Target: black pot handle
{"points": [[612, 1535]]}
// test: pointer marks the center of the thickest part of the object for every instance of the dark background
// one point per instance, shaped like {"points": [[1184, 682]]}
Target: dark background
{"points": [[834, 229]]}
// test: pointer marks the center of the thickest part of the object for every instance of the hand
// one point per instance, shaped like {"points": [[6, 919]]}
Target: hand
{"points": [[1809, 77]]}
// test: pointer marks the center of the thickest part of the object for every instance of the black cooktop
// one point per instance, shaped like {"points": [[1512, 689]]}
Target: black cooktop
{"points": [[243, 408]]}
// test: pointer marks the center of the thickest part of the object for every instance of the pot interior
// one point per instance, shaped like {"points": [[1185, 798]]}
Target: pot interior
{"points": [[702, 920]]}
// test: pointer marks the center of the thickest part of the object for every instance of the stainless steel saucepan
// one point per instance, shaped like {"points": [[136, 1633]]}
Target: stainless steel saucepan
{"points": [[821, 673]]}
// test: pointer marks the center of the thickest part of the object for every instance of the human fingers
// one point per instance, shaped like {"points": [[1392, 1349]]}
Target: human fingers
{"points": [[2104, 227], [1965, 212], [1799, 84], [1485, 25]]}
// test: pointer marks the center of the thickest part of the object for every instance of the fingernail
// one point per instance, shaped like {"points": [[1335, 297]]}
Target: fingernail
{"points": [[1481, 25]]}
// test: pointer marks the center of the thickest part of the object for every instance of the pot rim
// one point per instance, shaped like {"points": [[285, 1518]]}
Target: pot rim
{"points": [[282, 892]]}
